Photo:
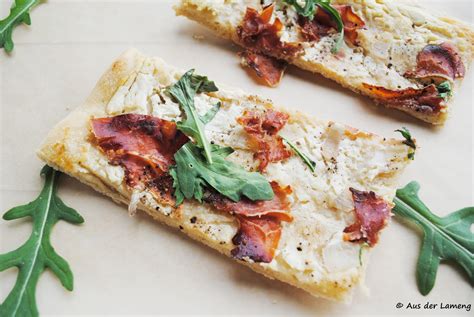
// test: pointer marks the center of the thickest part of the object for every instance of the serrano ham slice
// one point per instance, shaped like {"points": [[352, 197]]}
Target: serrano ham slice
{"points": [[144, 146], [268, 69], [438, 61], [262, 129], [257, 238], [372, 214], [257, 33], [259, 222], [424, 100], [277, 207]]}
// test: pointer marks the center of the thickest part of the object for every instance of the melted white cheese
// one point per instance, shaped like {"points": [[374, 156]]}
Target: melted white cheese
{"points": [[311, 247]]}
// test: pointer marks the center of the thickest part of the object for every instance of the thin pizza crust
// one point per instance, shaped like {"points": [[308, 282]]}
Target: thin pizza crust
{"points": [[395, 32], [312, 253]]}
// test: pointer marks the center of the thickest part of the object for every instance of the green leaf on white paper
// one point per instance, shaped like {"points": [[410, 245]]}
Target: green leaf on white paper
{"points": [[19, 13], [37, 253], [446, 238]]}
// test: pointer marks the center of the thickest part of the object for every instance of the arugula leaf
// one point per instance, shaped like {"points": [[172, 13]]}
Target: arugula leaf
{"points": [[202, 83], [447, 238], [340, 24], [309, 10], [192, 173], [19, 13], [200, 165], [408, 141], [309, 162], [211, 113], [184, 91], [445, 90], [37, 253]]}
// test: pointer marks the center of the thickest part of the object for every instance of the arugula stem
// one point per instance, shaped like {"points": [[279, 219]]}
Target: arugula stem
{"points": [[340, 24], [40, 232], [309, 162], [11, 19]]}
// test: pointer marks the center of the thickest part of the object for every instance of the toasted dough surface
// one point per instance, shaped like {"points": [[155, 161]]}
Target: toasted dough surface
{"points": [[312, 253], [394, 33]]}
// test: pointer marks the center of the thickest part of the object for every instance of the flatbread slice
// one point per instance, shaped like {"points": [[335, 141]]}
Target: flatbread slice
{"points": [[399, 55], [325, 215]]}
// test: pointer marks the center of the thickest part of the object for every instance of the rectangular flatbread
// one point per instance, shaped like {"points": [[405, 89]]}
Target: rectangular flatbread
{"points": [[317, 231], [394, 52]]}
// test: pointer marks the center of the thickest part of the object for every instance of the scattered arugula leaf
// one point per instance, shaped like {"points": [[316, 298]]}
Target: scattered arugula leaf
{"points": [[309, 11], [184, 91], [19, 13], [192, 173], [309, 162], [447, 238], [445, 90], [37, 254], [211, 113], [201, 83], [408, 141]]}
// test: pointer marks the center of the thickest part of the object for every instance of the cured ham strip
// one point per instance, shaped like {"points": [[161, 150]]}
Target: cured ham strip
{"points": [[259, 222], [438, 61], [372, 214], [145, 135], [323, 24], [277, 207], [257, 238], [267, 68], [313, 31], [257, 33], [262, 129], [424, 100], [352, 22], [144, 146]]}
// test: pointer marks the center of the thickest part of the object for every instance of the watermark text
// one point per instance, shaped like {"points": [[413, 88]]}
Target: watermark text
{"points": [[433, 306]]}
